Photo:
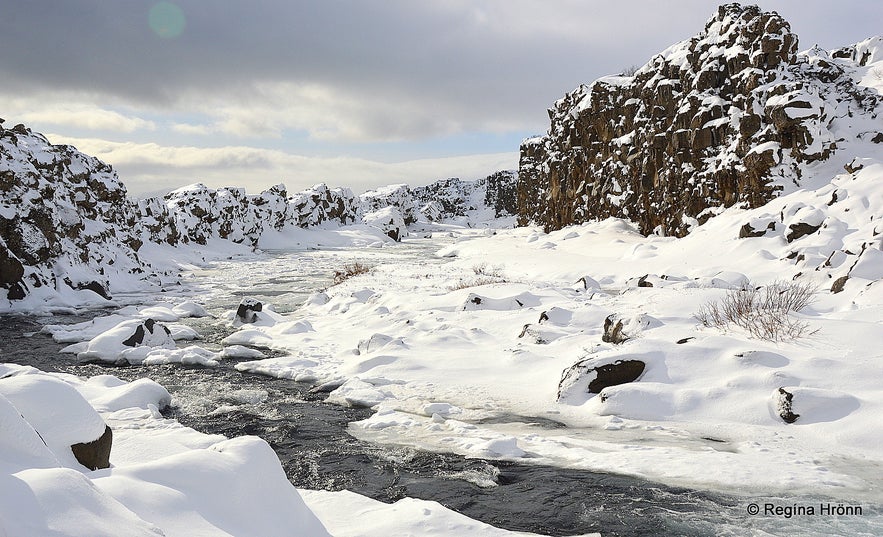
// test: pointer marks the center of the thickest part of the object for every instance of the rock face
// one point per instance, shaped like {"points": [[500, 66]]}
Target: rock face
{"points": [[449, 198], [65, 221], [728, 116]]}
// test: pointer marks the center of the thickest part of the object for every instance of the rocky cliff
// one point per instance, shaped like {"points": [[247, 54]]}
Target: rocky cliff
{"points": [[732, 115], [448, 198], [67, 225], [65, 222]]}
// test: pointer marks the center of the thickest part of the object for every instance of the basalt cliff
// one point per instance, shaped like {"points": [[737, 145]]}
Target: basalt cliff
{"points": [[734, 115], [68, 227]]}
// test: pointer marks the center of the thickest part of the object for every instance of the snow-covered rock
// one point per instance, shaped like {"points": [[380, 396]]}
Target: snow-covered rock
{"points": [[731, 116], [65, 222]]}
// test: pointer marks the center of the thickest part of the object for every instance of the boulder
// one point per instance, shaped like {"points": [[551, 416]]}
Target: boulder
{"points": [[800, 229], [613, 331], [95, 455], [784, 404], [247, 310], [585, 377], [149, 333]]}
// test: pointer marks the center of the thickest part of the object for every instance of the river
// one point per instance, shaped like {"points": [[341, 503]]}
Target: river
{"points": [[310, 436]]}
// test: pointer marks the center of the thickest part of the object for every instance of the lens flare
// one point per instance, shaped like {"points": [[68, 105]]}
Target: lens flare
{"points": [[166, 20]]}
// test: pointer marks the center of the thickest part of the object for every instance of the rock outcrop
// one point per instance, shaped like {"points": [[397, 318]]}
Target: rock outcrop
{"points": [[450, 198], [65, 221], [732, 115]]}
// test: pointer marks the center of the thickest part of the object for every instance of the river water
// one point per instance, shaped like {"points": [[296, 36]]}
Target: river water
{"points": [[310, 436]]}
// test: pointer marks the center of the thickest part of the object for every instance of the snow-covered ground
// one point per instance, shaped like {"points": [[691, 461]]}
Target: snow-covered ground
{"points": [[167, 479]]}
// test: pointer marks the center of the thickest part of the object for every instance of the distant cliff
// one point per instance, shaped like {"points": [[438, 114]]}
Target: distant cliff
{"points": [[67, 225], [732, 115]]}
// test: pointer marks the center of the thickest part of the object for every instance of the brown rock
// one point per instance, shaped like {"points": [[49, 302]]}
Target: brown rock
{"points": [[96, 454]]}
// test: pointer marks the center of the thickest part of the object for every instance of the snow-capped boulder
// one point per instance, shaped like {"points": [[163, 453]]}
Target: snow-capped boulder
{"points": [[65, 421], [587, 376], [129, 341], [247, 310], [732, 115]]}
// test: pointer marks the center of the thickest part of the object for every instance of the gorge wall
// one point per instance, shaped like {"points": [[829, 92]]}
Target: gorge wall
{"points": [[732, 115], [67, 225]]}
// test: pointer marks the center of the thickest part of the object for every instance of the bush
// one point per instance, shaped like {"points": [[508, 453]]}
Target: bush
{"points": [[349, 270], [484, 275], [764, 312]]}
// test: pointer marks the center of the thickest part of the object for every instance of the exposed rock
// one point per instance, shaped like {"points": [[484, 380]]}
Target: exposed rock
{"points": [[784, 406], [96, 454], [613, 331], [748, 230], [246, 312], [585, 377], [151, 334], [729, 116], [801, 229], [839, 284]]}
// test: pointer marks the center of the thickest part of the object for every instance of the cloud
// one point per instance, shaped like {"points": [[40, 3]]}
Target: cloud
{"points": [[148, 167], [83, 116]]}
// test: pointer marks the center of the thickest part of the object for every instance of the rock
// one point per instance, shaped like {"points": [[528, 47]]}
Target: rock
{"points": [[695, 128], [783, 400], [247, 310], [800, 229], [619, 372], [613, 331], [148, 333], [838, 284], [748, 230], [388, 220], [585, 377], [96, 454]]}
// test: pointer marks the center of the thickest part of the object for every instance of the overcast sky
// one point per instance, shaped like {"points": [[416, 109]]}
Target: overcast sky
{"points": [[352, 93]]}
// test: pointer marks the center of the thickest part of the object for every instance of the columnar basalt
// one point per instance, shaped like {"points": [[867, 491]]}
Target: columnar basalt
{"points": [[729, 116]]}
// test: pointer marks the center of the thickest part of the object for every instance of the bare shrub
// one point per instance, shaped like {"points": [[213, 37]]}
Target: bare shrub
{"points": [[348, 271], [485, 275], [764, 312]]}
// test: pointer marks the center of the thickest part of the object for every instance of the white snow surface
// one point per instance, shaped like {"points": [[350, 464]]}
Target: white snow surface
{"points": [[166, 479], [413, 340]]}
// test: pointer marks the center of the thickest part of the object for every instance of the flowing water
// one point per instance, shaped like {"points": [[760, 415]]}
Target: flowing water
{"points": [[310, 436]]}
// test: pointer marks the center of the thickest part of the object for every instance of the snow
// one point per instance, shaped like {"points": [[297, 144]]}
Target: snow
{"points": [[166, 479], [414, 344]]}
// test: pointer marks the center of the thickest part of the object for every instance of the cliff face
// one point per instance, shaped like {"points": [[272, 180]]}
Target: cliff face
{"points": [[453, 197], [730, 116], [65, 221]]}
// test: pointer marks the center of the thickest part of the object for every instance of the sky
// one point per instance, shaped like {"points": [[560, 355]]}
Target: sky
{"points": [[353, 93]]}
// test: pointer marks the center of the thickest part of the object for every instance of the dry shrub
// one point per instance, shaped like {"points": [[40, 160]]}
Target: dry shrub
{"points": [[764, 312], [485, 275], [348, 271]]}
